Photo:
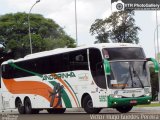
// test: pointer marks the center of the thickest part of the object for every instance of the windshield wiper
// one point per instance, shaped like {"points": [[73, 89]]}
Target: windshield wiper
{"points": [[130, 72], [135, 73]]}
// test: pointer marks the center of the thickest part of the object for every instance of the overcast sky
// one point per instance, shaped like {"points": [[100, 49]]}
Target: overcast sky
{"points": [[62, 11]]}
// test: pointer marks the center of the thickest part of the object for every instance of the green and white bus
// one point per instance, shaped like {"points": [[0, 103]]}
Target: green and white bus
{"points": [[109, 75]]}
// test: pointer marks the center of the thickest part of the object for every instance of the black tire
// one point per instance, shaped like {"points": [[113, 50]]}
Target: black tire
{"points": [[56, 110], [88, 106], [20, 107], [27, 106], [124, 109]]}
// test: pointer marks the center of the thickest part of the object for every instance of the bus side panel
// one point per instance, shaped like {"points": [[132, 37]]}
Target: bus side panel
{"points": [[98, 96], [7, 97], [36, 100], [84, 84], [1, 104], [40, 96]]}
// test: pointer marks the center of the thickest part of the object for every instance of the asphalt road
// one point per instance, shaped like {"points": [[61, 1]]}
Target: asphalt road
{"points": [[152, 113]]}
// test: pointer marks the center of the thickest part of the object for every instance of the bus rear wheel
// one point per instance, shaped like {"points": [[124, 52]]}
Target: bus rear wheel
{"points": [[88, 106], [20, 106], [124, 109], [27, 106], [56, 110]]}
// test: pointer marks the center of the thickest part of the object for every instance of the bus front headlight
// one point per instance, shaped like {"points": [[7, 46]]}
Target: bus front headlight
{"points": [[147, 94]]}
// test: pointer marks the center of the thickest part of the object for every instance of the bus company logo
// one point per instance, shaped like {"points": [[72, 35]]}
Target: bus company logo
{"points": [[58, 75], [83, 76], [133, 95], [116, 92]]}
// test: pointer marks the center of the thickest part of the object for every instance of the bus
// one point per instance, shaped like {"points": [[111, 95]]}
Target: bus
{"points": [[106, 75]]}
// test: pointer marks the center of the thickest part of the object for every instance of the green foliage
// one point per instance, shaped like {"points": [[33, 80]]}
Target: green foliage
{"points": [[45, 34], [154, 83], [119, 27]]}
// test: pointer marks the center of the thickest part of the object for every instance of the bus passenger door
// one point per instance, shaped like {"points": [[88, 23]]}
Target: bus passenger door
{"points": [[98, 75]]}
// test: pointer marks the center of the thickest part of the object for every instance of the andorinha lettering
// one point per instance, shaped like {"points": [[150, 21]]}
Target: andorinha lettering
{"points": [[59, 75]]}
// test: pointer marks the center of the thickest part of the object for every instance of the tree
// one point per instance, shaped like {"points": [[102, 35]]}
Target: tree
{"points": [[119, 27], [45, 33]]}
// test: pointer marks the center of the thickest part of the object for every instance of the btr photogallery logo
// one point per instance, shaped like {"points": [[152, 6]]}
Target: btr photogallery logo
{"points": [[118, 6]]}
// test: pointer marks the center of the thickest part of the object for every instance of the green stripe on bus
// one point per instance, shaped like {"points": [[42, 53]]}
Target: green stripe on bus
{"points": [[65, 97], [73, 92], [15, 66]]}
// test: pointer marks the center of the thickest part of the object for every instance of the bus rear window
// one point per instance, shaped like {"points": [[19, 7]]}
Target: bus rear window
{"points": [[123, 53]]}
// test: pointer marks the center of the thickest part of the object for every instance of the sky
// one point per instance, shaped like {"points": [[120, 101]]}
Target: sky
{"points": [[63, 12]]}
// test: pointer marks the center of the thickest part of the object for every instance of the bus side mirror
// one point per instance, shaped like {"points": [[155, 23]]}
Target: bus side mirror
{"points": [[107, 67], [156, 64]]}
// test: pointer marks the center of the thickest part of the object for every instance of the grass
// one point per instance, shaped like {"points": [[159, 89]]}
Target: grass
{"points": [[150, 105]]}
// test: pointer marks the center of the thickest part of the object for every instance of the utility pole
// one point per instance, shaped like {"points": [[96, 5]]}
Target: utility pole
{"points": [[29, 26], [76, 22]]}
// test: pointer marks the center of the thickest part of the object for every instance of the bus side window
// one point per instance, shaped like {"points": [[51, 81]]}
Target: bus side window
{"points": [[66, 62], [7, 72], [78, 60]]}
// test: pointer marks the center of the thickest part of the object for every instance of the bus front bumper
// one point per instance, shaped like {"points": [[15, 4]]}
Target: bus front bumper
{"points": [[115, 102]]}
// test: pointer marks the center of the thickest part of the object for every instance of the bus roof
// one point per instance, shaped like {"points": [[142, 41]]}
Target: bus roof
{"points": [[64, 50]]}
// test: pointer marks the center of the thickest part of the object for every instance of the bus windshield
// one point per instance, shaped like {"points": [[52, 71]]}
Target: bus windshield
{"points": [[128, 67], [132, 74]]}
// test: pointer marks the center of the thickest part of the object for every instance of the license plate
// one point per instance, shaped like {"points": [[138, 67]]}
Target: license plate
{"points": [[133, 101]]}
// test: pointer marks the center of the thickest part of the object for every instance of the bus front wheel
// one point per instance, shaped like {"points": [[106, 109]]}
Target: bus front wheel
{"points": [[88, 106], [124, 109]]}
